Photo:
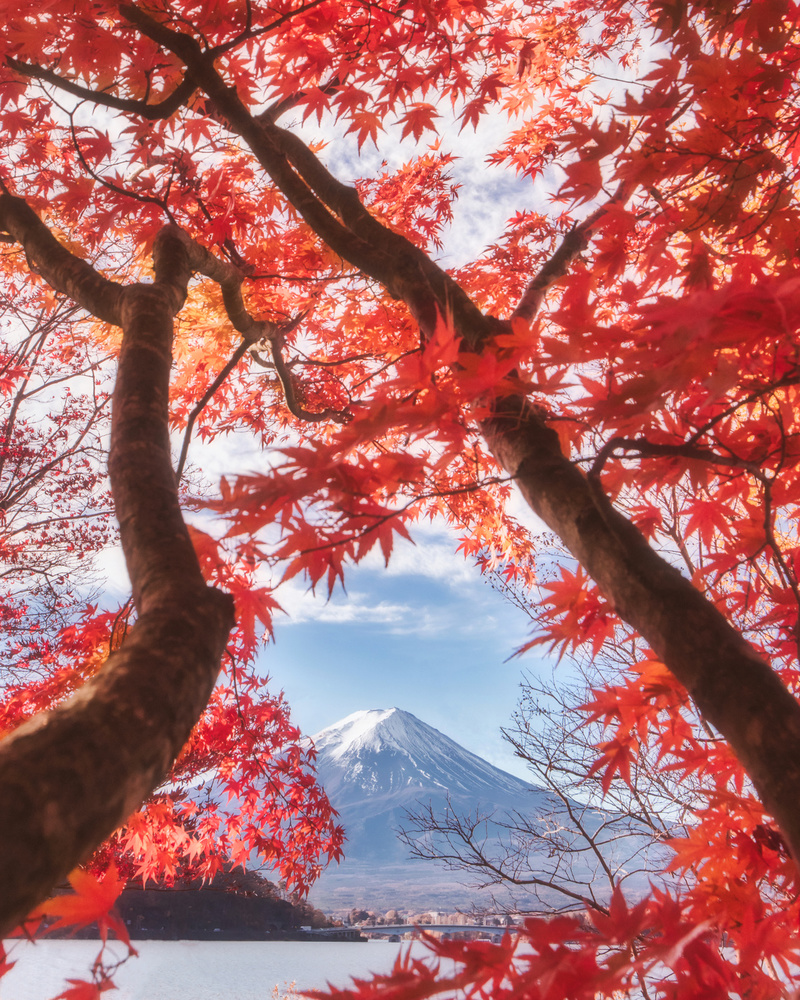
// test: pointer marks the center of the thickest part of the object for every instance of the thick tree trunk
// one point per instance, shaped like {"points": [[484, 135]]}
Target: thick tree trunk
{"points": [[734, 689], [70, 777]]}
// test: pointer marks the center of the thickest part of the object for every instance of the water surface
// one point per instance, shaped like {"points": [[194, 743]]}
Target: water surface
{"points": [[198, 970]]}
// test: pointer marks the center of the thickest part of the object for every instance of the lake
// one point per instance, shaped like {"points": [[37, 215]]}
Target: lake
{"points": [[199, 970]]}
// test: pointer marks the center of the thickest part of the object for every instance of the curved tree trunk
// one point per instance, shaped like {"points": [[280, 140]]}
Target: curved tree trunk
{"points": [[70, 777], [733, 687]]}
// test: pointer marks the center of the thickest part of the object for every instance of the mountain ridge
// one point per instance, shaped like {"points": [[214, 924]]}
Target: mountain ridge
{"points": [[375, 765], [352, 750]]}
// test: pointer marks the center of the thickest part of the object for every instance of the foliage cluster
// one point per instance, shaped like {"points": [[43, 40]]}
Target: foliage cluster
{"points": [[627, 357]]}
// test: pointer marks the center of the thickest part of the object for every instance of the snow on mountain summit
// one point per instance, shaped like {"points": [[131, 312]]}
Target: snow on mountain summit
{"points": [[377, 766], [371, 728], [391, 752]]}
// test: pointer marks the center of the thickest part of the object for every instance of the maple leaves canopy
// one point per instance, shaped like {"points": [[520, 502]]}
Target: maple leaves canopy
{"points": [[628, 359]]}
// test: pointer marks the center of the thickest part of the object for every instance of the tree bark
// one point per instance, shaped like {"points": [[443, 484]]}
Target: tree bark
{"points": [[733, 687], [70, 777]]}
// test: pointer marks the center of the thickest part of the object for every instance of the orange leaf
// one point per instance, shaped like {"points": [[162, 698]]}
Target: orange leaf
{"points": [[91, 903]]}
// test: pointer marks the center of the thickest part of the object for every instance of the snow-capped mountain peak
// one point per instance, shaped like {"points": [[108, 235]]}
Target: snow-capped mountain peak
{"points": [[391, 752], [371, 728], [378, 765]]}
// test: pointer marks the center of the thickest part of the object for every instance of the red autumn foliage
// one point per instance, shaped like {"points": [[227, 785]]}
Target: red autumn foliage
{"points": [[627, 354]]}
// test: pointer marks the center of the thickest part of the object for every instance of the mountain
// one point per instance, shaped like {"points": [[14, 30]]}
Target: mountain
{"points": [[387, 755], [377, 765]]}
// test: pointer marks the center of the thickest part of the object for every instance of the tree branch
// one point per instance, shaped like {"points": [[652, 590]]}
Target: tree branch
{"points": [[332, 209], [69, 777], [152, 112], [734, 689], [59, 268], [201, 404], [295, 407], [572, 245], [229, 278], [648, 449]]}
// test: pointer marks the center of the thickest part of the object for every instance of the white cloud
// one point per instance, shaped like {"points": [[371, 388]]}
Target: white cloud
{"points": [[445, 620], [110, 563], [488, 196], [304, 606], [433, 556], [357, 607]]}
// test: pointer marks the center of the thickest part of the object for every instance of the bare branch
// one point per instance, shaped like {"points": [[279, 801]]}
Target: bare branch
{"points": [[203, 402], [648, 449], [572, 245]]}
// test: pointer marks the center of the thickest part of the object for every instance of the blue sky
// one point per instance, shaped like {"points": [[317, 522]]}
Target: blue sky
{"points": [[427, 635]]}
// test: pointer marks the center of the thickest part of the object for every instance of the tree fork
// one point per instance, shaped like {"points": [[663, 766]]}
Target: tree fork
{"points": [[70, 777]]}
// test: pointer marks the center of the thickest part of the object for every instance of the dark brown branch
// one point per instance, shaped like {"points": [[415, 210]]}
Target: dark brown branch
{"points": [[381, 519], [333, 210], [338, 362], [274, 111], [249, 33], [572, 245], [292, 402], [734, 689], [146, 199], [229, 278], [152, 112], [201, 404], [647, 449], [71, 776], [252, 330], [59, 268]]}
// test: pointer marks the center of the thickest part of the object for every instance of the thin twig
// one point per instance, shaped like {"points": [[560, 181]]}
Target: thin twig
{"points": [[573, 244], [276, 343], [152, 112], [203, 402], [648, 449]]}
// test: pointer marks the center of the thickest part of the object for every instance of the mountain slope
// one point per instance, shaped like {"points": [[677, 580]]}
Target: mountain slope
{"points": [[388, 753], [377, 765]]}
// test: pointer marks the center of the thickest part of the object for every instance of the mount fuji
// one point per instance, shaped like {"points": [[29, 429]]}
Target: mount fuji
{"points": [[390, 756], [378, 765]]}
